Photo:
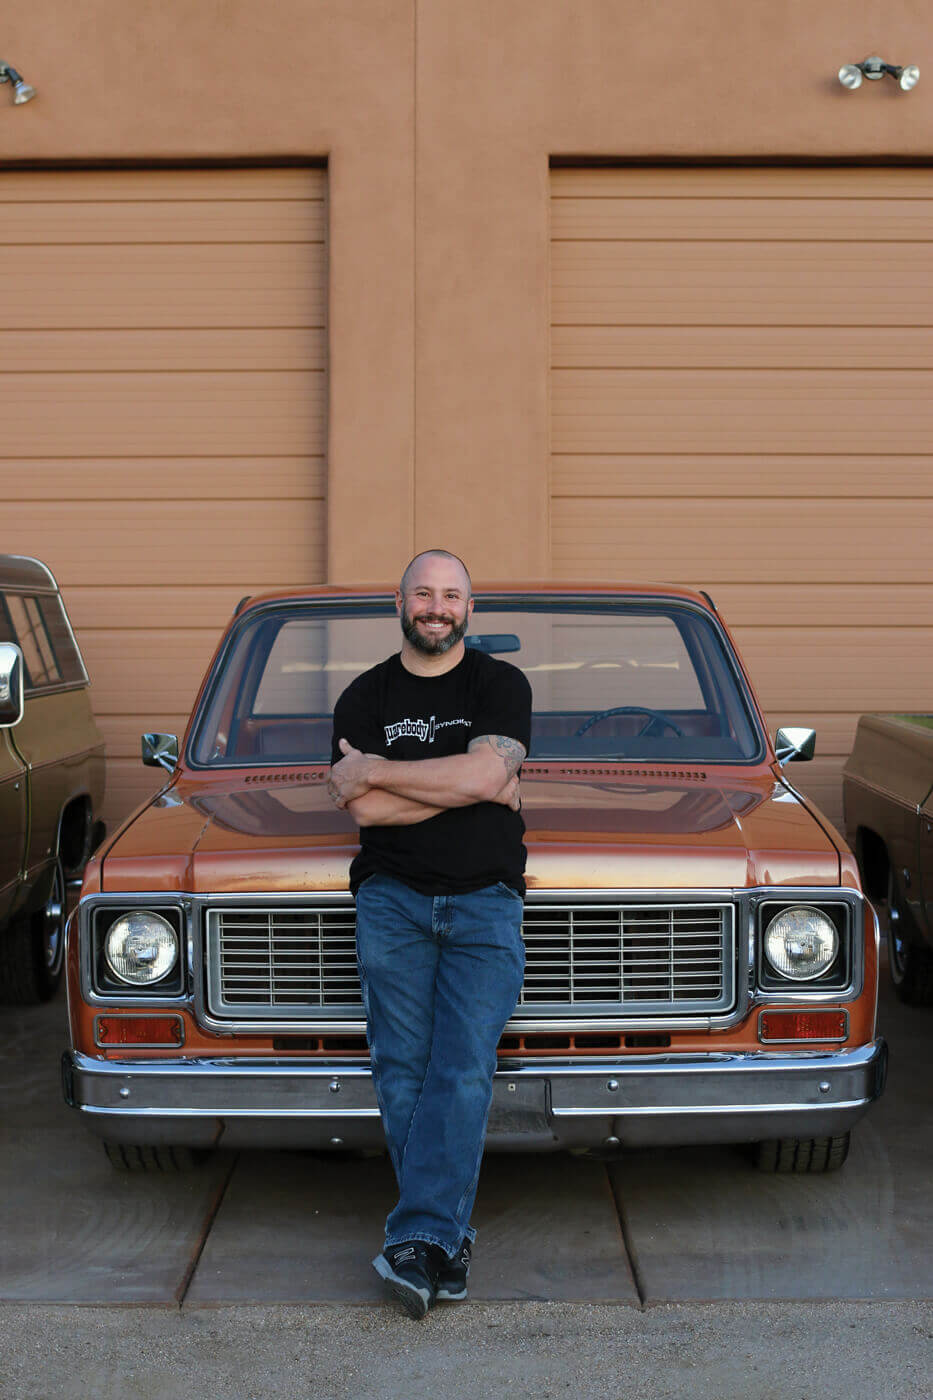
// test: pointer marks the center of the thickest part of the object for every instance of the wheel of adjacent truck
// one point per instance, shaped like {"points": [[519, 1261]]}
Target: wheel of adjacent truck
{"points": [[127, 1157], [822, 1154], [909, 958], [32, 949]]}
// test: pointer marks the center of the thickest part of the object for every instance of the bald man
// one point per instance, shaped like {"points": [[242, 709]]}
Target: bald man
{"points": [[427, 749]]}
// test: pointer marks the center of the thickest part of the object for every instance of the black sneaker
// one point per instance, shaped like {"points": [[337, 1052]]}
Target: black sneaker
{"points": [[452, 1279], [411, 1270]]}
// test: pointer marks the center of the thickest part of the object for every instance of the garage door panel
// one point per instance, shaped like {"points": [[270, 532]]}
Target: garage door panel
{"points": [[741, 411], [171, 221], [822, 668], [147, 672], [180, 478], [153, 185], [129, 784], [794, 219], [276, 348], [205, 542], [730, 183], [150, 605], [759, 475], [729, 541], [682, 283], [152, 414], [741, 347], [162, 286], [821, 781], [852, 603]]}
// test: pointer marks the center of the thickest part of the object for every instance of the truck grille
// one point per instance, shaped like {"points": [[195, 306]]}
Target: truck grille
{"points": [[290, 962]]}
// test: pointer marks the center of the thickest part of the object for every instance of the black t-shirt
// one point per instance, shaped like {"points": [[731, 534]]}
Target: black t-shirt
{"points": [[390, 712]]}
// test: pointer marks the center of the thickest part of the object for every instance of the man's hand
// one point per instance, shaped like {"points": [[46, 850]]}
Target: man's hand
{"points": [[510, 795], [349, 777]]}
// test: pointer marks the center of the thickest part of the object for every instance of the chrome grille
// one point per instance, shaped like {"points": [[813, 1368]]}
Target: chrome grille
{"points": [[288, 962], [283, 960], [647, 956]]}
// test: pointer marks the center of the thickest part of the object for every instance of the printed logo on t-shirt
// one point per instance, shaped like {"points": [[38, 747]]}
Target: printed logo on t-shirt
{"points": [[423, 729]]}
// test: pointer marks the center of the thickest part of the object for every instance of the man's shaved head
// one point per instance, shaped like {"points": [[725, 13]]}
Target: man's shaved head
{"points": [[435, 554]]}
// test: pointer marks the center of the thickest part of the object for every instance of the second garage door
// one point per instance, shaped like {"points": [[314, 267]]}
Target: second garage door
{"points": [[164, 396], [740, 392]]}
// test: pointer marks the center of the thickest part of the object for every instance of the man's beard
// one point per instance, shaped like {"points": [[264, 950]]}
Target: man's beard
{"points": [[432, 646]]}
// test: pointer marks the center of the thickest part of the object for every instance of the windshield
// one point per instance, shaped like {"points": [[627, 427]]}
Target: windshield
{"points": [[646, 680]]}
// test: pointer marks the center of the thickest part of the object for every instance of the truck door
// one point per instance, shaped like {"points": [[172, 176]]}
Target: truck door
{"points": [[12, 822], [926, 862]]}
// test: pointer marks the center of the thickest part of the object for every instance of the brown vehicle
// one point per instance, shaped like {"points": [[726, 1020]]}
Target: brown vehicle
{"points": [[51, 777], [888, 801], [701, 963]]}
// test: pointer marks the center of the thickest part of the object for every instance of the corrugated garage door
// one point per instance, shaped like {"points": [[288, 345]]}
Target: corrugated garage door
{"points": [[163, 415], [741, 401]]}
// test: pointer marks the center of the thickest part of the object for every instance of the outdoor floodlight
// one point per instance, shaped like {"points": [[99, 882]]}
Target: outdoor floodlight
{"points": [[851, 74], [22, 91]]}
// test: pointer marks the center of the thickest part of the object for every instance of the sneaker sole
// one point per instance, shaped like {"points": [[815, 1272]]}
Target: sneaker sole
{"points": [[446, 1295], [415, 1301]]}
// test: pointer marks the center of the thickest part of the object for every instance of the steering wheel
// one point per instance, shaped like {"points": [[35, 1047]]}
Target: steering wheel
{"points": [[657, 718]]}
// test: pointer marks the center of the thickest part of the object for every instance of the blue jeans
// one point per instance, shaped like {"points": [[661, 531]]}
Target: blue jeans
{"points": [[441, 976]]}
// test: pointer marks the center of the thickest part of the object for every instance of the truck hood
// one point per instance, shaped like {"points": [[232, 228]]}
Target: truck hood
{"points": [[583, 831]]}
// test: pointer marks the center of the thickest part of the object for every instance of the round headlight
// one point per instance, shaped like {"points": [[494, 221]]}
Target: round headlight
{"points": [[800, 943], [141, 947]]}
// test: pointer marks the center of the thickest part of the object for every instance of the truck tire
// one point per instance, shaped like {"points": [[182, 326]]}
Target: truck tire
{"points": [[823, 1154], [32, 950], [126, 1157], [909, 958]]}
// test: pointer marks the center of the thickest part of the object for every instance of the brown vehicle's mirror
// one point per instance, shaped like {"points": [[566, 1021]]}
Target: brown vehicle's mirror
{"points": [[160, 751], [11, 685], [794, 745]]}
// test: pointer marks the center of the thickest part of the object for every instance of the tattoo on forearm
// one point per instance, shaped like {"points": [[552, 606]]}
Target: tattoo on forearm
{"points": [[509, 750]]}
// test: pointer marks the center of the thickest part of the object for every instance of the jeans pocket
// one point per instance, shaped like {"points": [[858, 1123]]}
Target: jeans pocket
{"points": [[503, 888]]}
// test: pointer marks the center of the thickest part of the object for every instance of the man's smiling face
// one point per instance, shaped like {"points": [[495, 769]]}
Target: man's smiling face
{"points": [[435, 606]]}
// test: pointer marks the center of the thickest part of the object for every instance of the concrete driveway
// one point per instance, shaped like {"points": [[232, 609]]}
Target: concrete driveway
{"points": [[651, 1227]]}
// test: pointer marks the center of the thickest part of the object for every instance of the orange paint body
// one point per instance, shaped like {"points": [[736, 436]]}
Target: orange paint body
{"points": [[616, 826]]}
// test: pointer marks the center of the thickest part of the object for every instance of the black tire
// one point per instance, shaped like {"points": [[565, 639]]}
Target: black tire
{"points": [[127, 1157], [909, 958], [32, 950], [823, 1154]]}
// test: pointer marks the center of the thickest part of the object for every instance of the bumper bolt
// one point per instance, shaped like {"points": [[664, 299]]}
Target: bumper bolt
{"points": [[613, 1085], [124, 1093], [336, 1142], [824, 1086], [334, 1086], [611, 1142]]}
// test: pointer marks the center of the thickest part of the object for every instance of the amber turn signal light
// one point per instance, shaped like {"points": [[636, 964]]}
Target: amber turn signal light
{"points": [[783, 1026], [139, 1030]]}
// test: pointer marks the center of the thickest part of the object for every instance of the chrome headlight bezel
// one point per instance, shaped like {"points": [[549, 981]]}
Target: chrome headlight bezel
{"points": [[106, 979], [837, 975]]}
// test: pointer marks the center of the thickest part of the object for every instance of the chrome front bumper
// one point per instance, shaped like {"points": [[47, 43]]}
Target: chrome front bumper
{"points": [[644, 1101]]}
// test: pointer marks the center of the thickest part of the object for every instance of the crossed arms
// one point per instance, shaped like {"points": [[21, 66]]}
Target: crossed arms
{"points": [[380, 792]]}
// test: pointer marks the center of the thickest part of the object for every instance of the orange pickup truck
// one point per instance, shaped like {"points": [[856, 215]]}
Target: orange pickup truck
{"points": [[701, 963]]}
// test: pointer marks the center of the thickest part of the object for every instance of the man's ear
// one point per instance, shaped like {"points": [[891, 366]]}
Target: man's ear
{"points": [[399, 601]]}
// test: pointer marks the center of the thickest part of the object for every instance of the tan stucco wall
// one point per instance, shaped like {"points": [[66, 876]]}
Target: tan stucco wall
{"points": [[438, 120]]}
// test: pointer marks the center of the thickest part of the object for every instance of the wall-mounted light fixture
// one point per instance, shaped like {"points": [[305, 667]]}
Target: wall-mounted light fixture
{"points": [[851, 74], [22, 91]]}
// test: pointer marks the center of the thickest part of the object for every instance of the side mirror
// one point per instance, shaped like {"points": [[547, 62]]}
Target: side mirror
{"points": [[160, 751], [11, 685], [794, 745]]}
